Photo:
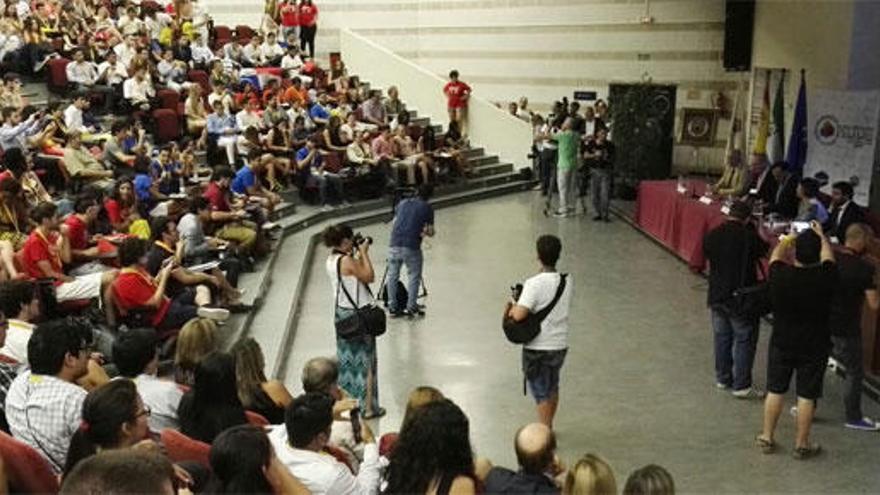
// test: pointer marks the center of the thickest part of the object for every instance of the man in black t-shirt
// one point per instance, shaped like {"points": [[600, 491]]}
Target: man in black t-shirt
{"points": [[801, 296], [733, 250], [599, 156], [855, 284]]}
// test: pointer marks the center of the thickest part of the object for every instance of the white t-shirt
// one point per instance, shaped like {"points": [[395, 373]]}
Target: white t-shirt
{"points": [[537, 294]]}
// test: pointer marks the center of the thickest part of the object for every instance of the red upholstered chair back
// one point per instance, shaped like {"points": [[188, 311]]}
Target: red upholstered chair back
{"points": [[167, 125], [222, 35], [201, 77], [183, 448], [414, 132], [256, 419], [57, 71], [168, 98], [245, 33], [26, 470]]}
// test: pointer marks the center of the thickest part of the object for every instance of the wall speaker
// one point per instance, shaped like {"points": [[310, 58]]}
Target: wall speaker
{"points": [[739, 26]]}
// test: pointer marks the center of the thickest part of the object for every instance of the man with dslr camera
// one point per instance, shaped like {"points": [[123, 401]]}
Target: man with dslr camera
{"points": [[413, 220], [544, 355]]}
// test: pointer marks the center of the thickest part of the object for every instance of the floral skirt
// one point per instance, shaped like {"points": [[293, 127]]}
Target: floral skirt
{"points": [[358, 368]]}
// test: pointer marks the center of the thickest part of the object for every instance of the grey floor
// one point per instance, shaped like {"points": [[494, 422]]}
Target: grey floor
{"points": [[637, 387]]}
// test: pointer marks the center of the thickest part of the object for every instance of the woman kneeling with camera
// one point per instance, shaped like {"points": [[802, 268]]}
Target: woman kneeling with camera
{"points": [[350, 271]]}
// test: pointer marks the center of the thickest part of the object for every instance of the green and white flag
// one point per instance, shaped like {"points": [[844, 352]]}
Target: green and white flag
{"points": [[775, 141]]}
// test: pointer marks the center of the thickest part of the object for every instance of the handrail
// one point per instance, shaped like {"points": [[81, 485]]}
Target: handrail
{"points": [[487, 125]]}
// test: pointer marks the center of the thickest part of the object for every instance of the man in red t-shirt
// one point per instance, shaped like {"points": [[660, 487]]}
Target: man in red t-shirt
{"points": [[457, 95], [231, 225], [85, 255], [137, 293], [44, 253]]}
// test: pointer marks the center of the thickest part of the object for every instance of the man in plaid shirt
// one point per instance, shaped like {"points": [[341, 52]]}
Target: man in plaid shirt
{"points": [[44, 404]]}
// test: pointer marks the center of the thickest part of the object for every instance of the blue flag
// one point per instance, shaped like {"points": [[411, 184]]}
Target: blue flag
{"points": [[797, 143]]}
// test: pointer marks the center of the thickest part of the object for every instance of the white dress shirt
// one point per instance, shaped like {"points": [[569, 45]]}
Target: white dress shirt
{"points": [[323, 474], [18, 335], [82, 73], [253, 54], [116, 74], [124, 53], [44, 412], [271, 51], [138, 91], [245, 119]]}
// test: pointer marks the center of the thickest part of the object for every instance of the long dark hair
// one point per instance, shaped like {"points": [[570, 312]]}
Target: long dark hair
{"points": [[104, 411], [433, 445], [238, 457], [212, 405]]}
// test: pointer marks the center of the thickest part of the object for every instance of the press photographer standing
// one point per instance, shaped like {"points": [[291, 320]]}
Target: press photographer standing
{"points": [[413, 220], [542, 357], [351, 270]]}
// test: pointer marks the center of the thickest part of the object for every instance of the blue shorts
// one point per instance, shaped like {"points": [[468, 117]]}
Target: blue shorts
{"points": [[541, 370]]}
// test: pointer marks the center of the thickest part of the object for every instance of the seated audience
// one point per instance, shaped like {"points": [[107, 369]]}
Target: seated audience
{"points": [[44, 404], [131, 471], [539, 466], [212, 405], [590, 476], [197, 339], [229, 218], [649, 480], [300, 443], [136, 355], [138, 91], [372, 111], [243, 461], [393, 105], [311, 172], [20, 305], [785, 202], [322, 375], [810, 208], [419, 397], [221, 128], [85, 254], [844, 211], [268, 398], [433, 453], [82, 166]]}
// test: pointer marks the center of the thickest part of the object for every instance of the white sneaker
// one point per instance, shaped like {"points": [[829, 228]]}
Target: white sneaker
{"points": [[721, 386], [560, 214], [793, 411], [327, 208], [270, 226], [216, 314], [748, 393]]}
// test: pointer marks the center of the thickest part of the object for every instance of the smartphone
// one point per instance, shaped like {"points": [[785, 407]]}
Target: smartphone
{"points": [[355, 415], [798, 227]]}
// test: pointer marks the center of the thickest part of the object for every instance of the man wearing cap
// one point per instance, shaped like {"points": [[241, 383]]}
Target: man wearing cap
{"points": [[733, 250]]}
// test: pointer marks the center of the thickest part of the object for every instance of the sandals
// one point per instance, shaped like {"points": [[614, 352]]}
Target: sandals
{"points": [[766, 446], [378, 413], [802, 453]]}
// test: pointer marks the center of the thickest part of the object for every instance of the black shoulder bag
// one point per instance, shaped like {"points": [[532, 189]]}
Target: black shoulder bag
{"points": [[523, 332], [751, 301], [366, 321]]}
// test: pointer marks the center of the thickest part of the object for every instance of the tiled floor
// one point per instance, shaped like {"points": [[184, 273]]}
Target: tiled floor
{"points": [[638, 384]]}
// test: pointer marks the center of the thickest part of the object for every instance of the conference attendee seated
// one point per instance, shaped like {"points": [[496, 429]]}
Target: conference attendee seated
{"points": [[44, 254], [651, 479], [844, 211], [300, 444], [247, 181], [372, 111], [418, 397], [761, 183], [210, 285], [785, 201], [84, 75], [212, 404], [222, 130], [393, 104], [85, 254], [310, 172], [9, 369], [44, 404], [82, 166], [272, 52], [128, 471], [142, 299], [321, 375], [810, 208], [591, 475], [230, 223], [20, 305], [539, 466], [269, 398], [434, 453], [138, 91]]}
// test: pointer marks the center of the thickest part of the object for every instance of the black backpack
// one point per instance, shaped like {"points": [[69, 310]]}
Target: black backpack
{"points": [[523, 332]]}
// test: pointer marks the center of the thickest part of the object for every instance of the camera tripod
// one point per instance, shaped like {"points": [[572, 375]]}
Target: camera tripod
{"points": [[383, 287]]}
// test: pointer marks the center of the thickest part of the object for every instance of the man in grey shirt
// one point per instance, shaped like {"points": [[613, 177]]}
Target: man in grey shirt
{"points": [[197, 247]]}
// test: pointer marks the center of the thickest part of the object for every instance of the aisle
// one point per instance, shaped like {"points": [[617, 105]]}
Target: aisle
{"points": [[638, 384]]}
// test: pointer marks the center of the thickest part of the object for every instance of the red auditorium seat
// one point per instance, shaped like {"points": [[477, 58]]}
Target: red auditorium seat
{"points": [[182, 448], [256, 418], [57, 73], [222, 35], [26, 470], [167, 125], [333, 162], [201, 77], [244, 33], [169, 98]]}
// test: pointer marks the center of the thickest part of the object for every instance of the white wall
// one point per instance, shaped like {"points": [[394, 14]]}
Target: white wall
{"points": [[542, 49]]}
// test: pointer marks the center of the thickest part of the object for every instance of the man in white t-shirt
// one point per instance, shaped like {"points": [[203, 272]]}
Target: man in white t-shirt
{"points": [[543, 357]]}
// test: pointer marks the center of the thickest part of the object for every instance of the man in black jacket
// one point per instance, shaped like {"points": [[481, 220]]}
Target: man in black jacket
{"points": [[844, 212], [535, 447], [785, 202], [733, 250]]}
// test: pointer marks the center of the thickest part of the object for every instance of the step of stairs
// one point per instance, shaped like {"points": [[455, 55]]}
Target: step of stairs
{"points": [[479, 160]]}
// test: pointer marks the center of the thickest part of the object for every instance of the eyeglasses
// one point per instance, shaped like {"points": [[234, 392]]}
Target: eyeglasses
{"points": [[146, 411]]}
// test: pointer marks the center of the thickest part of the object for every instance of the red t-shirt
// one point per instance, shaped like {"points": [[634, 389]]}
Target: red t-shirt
{"points": [[455, 93], [308, 14], [217, 197], [77, 232], [6, 174], [133, 288], [115, 212], [289, 17], [38, 248]]}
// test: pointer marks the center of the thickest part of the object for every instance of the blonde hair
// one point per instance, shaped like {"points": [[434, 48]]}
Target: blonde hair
{"points": [[420, 396], [249, 374], [196, 339], [590, 476]]}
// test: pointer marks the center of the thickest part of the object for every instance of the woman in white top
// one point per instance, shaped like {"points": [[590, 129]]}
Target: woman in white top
{"points": [[357, 357]]}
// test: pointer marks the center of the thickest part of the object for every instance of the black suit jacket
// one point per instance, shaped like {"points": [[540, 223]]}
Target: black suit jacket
{"points": [[786, 202], [766, 189], [852, 214]]}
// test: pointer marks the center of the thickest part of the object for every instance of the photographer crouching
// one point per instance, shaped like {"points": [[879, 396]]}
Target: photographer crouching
{"points": [[413, 220], [543, 301], [351, 271]]}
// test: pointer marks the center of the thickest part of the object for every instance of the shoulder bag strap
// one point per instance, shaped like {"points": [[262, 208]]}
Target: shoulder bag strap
{"points": [[341, 285], [540, 315], [745, 260]]}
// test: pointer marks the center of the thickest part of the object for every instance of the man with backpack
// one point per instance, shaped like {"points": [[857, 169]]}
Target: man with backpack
{"points": [[413, 220], [543, 356]]}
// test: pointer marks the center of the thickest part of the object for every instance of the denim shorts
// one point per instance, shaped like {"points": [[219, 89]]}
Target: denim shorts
{"points": [[541, 370]]}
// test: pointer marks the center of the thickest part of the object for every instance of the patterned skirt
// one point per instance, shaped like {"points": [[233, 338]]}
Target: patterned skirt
{"points": [[358, 368]]}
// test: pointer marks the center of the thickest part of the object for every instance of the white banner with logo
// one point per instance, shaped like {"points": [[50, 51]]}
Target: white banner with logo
{"points": [[842, 137]]}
